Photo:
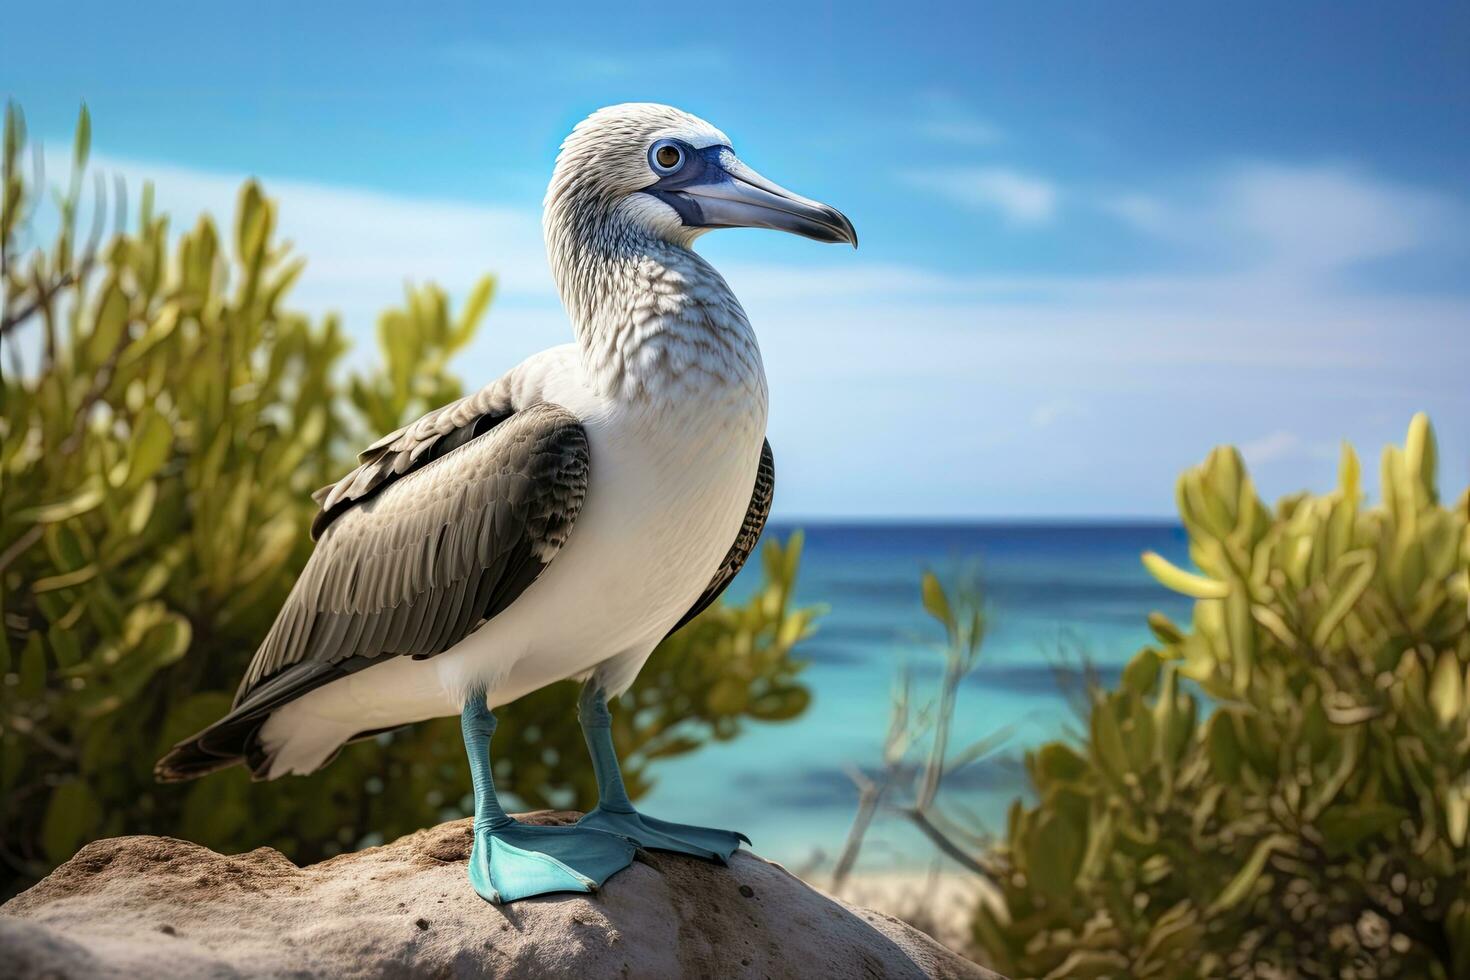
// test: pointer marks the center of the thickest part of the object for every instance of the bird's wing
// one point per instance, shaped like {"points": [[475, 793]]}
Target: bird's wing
{"points": [[410, 562], [420, 559], [411, 447], [745, 541]]}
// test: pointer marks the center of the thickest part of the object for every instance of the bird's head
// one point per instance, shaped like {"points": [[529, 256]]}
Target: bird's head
{"points": [[674, 176]]}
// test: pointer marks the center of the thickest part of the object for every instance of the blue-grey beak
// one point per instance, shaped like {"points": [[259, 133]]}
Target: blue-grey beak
{"points": [[715, 190]]}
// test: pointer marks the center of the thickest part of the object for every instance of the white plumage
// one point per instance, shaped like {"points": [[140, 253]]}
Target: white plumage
{"points": [[666, 377], [561, 521]]}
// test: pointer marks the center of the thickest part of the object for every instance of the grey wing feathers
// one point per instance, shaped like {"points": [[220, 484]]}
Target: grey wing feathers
{"points": [[420, 442], [745, 541], [411, 570], [414, 569]]}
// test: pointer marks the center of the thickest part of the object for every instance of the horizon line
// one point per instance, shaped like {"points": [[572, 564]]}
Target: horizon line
{"points": [[981, 520]]}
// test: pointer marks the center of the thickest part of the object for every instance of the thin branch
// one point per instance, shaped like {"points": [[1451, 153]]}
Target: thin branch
{"points": [[979, 750], [26, 727], [944, 722], [870, 794], [95, 391], [19, 545], [942, 841], [48, 292], [12, 320]]}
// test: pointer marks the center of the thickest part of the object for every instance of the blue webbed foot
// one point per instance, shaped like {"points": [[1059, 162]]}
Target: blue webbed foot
{"points": [[661, 835], [519, 860], [615, 813]]}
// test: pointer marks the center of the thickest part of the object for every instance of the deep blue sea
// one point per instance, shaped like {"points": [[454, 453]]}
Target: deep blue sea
{"points": [[1056, 595]]}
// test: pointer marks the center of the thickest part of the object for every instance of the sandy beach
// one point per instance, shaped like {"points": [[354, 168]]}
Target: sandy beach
{"points": [[938, 902]]}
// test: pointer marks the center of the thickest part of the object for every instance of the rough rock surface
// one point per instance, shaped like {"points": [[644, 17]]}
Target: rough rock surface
{"points": [[155, 907]]}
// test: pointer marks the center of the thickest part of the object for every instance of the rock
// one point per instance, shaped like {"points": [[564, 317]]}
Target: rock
{"points": [[155, 906]]}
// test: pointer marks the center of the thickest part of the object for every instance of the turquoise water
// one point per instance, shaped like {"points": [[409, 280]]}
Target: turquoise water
{"points": [[1056, 593]]}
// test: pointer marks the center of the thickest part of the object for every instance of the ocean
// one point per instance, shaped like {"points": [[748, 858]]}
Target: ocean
{"points": [[1057, 595]]}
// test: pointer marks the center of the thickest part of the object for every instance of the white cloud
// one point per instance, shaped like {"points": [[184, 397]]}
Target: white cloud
{"points": [[927, 407], [362, 246], [1270, 447], [946, 119], [1047, 413], [1283, 445], [356, 237], [970, 381], [899, 389], [1020, 198], [1296, 220], [1318, 218], [1143, 211]]}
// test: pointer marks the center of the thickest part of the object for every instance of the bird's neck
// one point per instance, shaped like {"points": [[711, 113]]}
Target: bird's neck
{"points": [[655, 323]]}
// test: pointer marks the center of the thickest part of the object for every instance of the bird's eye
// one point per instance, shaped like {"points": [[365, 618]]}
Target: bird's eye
{"points": [[667, 157]]}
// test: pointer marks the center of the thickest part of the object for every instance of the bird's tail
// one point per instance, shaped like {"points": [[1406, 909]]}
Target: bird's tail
{"points": [[230, 741], [244, 736]]}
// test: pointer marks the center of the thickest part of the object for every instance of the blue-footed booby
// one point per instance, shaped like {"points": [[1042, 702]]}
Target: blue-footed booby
{"points": [[555, 524]]}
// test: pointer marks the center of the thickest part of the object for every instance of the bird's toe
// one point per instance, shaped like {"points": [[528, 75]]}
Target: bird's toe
{"points": [[521, 861], [654, 834]]}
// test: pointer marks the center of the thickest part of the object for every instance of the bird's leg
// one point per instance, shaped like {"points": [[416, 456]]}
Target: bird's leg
{"points": [[612, 795], [512, 860], [615, 814]]}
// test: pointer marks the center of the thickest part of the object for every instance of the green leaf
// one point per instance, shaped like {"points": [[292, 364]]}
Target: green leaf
{"points": [[1361, 564], [83, 146], [1055, 855], [149, 450], [65, 646], [141, 508], [68, 548], [1224, 747], [1446, 688], [1420, 457], [780, 705], [71, 814], [108, 325], [15, 134], [936, 603], [166, 641], [1175, 726], [1457, 813], [1275, 625], [1142, 671], [1090, 964], [1245, 880], [214, 808], [1186, 583], [1345, 826], [194, 713], [80, 502], [1100, 840], [32, 667], [1164, 629], [728, 696], [65, 580], [1107, 741], [1176, 930], [1056, 762], [474, 310]]}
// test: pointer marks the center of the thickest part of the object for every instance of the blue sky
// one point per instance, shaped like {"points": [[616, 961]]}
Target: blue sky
{"points": [[1097, 239]]}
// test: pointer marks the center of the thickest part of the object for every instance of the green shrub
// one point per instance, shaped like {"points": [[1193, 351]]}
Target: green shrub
{"points": [[165, 418], [1309, 817]]}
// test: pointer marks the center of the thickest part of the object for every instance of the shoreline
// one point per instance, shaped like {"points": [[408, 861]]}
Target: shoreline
{"points": [[936, 901]]}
